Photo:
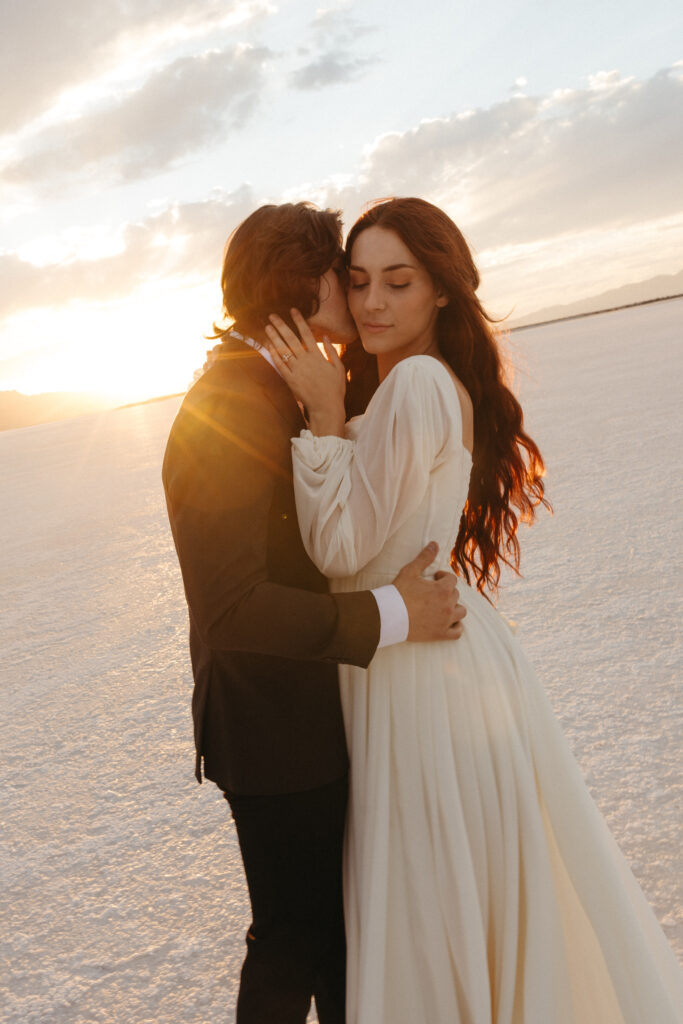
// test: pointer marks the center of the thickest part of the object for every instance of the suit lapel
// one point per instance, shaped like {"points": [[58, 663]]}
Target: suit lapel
{"points": [[269, 382]]}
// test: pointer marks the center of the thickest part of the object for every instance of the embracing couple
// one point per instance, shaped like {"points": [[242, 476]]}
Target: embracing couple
{"points": [[418, 842]]}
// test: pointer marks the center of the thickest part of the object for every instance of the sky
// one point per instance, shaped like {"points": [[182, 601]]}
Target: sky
{"points": [[135, 137]]}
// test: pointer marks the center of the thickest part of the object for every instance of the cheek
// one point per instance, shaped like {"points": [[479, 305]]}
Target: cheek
{"points": [[422, 308], [353, 299], [342, 300]]}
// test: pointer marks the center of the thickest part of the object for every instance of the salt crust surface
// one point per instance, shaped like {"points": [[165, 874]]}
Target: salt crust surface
{"points": [[122, 897]]}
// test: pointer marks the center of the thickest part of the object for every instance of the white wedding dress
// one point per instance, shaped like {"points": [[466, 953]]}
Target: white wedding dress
{"points": [[482, 886]]}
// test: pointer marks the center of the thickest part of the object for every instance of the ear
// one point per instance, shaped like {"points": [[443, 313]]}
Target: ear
{"points": [[441, 300]]}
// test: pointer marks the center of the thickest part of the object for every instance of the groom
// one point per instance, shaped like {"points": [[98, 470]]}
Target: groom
{"points": [[265, 634]]}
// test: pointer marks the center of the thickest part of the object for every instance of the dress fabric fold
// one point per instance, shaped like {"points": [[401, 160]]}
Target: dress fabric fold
{"points": [[482, 885]]}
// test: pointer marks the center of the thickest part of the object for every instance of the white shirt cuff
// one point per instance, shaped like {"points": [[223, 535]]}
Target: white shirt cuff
{"points": [[393, 616]]}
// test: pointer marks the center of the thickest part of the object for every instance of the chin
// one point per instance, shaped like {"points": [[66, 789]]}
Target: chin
{"points": [[372, 344]]}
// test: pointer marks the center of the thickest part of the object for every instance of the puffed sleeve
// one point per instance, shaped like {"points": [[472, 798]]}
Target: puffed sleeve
{"points": [[352, 495]]}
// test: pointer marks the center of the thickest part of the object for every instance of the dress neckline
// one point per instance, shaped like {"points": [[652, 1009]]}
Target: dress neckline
{"points": [[361, 415]]}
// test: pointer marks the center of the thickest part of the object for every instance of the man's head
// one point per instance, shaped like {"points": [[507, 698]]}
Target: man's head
{"points": [[282, 257]]}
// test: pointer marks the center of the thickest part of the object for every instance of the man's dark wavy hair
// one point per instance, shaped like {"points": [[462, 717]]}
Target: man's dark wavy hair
{"points": [[273, 261]]}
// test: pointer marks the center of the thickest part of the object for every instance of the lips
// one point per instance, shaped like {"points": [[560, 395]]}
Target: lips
{"points": [[376, 328]]}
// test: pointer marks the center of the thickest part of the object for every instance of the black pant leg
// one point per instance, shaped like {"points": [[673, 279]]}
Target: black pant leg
{"points": [[292, 852]]}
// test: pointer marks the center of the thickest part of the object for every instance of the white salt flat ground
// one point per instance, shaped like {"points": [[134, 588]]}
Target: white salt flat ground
{"points": [[122, 897]]}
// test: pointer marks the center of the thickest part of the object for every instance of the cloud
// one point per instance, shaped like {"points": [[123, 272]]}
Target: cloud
{"points": [[335, 33], [183, 106], [337, 26], [529, 168], [46, 48], [576, 184], [184, 241], [331, 68], [579, 189]]}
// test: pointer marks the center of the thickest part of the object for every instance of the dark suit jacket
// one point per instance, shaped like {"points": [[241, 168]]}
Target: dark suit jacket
{"points": [[265, 635]]}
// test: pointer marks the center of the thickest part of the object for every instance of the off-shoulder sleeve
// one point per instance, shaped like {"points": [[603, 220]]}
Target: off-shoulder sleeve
{"points": [[352, 495]]}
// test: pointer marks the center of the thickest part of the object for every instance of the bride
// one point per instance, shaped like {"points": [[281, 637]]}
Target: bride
{"points": [[481, 883]]}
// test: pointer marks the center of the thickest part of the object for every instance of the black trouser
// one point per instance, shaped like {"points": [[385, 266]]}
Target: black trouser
{"points": [[292, 851]]}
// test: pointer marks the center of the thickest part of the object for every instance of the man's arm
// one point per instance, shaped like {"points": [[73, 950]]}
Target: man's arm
{"points": [[220, 474]]}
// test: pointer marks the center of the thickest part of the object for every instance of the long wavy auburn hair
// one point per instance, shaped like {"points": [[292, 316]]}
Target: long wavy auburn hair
{"points": [[506, 484]]}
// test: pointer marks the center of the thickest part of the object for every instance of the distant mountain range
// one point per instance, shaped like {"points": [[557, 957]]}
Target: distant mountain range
{"points": [[17, 410], [661, 287]]}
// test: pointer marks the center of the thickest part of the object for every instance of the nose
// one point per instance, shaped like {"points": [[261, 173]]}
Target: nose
{"points": [[374, 296]]}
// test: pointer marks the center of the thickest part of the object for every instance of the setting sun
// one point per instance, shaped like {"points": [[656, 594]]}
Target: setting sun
{"points": [[148, 345]]}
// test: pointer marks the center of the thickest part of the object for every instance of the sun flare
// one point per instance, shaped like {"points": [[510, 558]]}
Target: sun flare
{"points": [[148, 346]]}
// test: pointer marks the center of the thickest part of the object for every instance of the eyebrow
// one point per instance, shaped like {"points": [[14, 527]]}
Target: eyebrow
{"points": [[394, 266]]}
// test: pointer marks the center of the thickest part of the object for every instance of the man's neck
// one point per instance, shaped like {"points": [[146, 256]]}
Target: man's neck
{"points": [[258, 346]]}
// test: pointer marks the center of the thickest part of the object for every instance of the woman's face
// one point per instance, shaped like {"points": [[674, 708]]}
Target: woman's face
{"points": [[391, 297]]}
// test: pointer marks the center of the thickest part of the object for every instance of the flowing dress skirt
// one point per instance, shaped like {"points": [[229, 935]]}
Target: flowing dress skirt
{"points": [[481, 883]]}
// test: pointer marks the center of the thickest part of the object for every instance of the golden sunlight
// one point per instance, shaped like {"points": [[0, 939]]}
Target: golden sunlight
{"points": [[147, 346]]}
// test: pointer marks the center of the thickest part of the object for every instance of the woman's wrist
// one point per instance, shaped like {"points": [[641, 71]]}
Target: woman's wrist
{"points": [[327, 422]]}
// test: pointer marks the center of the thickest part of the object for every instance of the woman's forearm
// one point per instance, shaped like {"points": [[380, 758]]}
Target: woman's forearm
{"points": [[327, 422]]}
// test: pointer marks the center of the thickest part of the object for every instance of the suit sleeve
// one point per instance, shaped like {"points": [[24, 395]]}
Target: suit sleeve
{"points": [[220, 472]]}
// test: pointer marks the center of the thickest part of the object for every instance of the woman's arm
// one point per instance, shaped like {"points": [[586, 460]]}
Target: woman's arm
{"points": [[353, 495]]}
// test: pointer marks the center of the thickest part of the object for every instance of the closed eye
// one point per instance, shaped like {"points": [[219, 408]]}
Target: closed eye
{"points": [[357, 285]]}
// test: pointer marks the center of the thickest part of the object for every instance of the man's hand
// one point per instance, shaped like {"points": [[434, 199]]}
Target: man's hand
{"points": [[433, 608]]}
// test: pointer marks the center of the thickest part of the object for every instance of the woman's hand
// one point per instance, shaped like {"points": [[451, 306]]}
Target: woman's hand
{"points": [[316, 380]]}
